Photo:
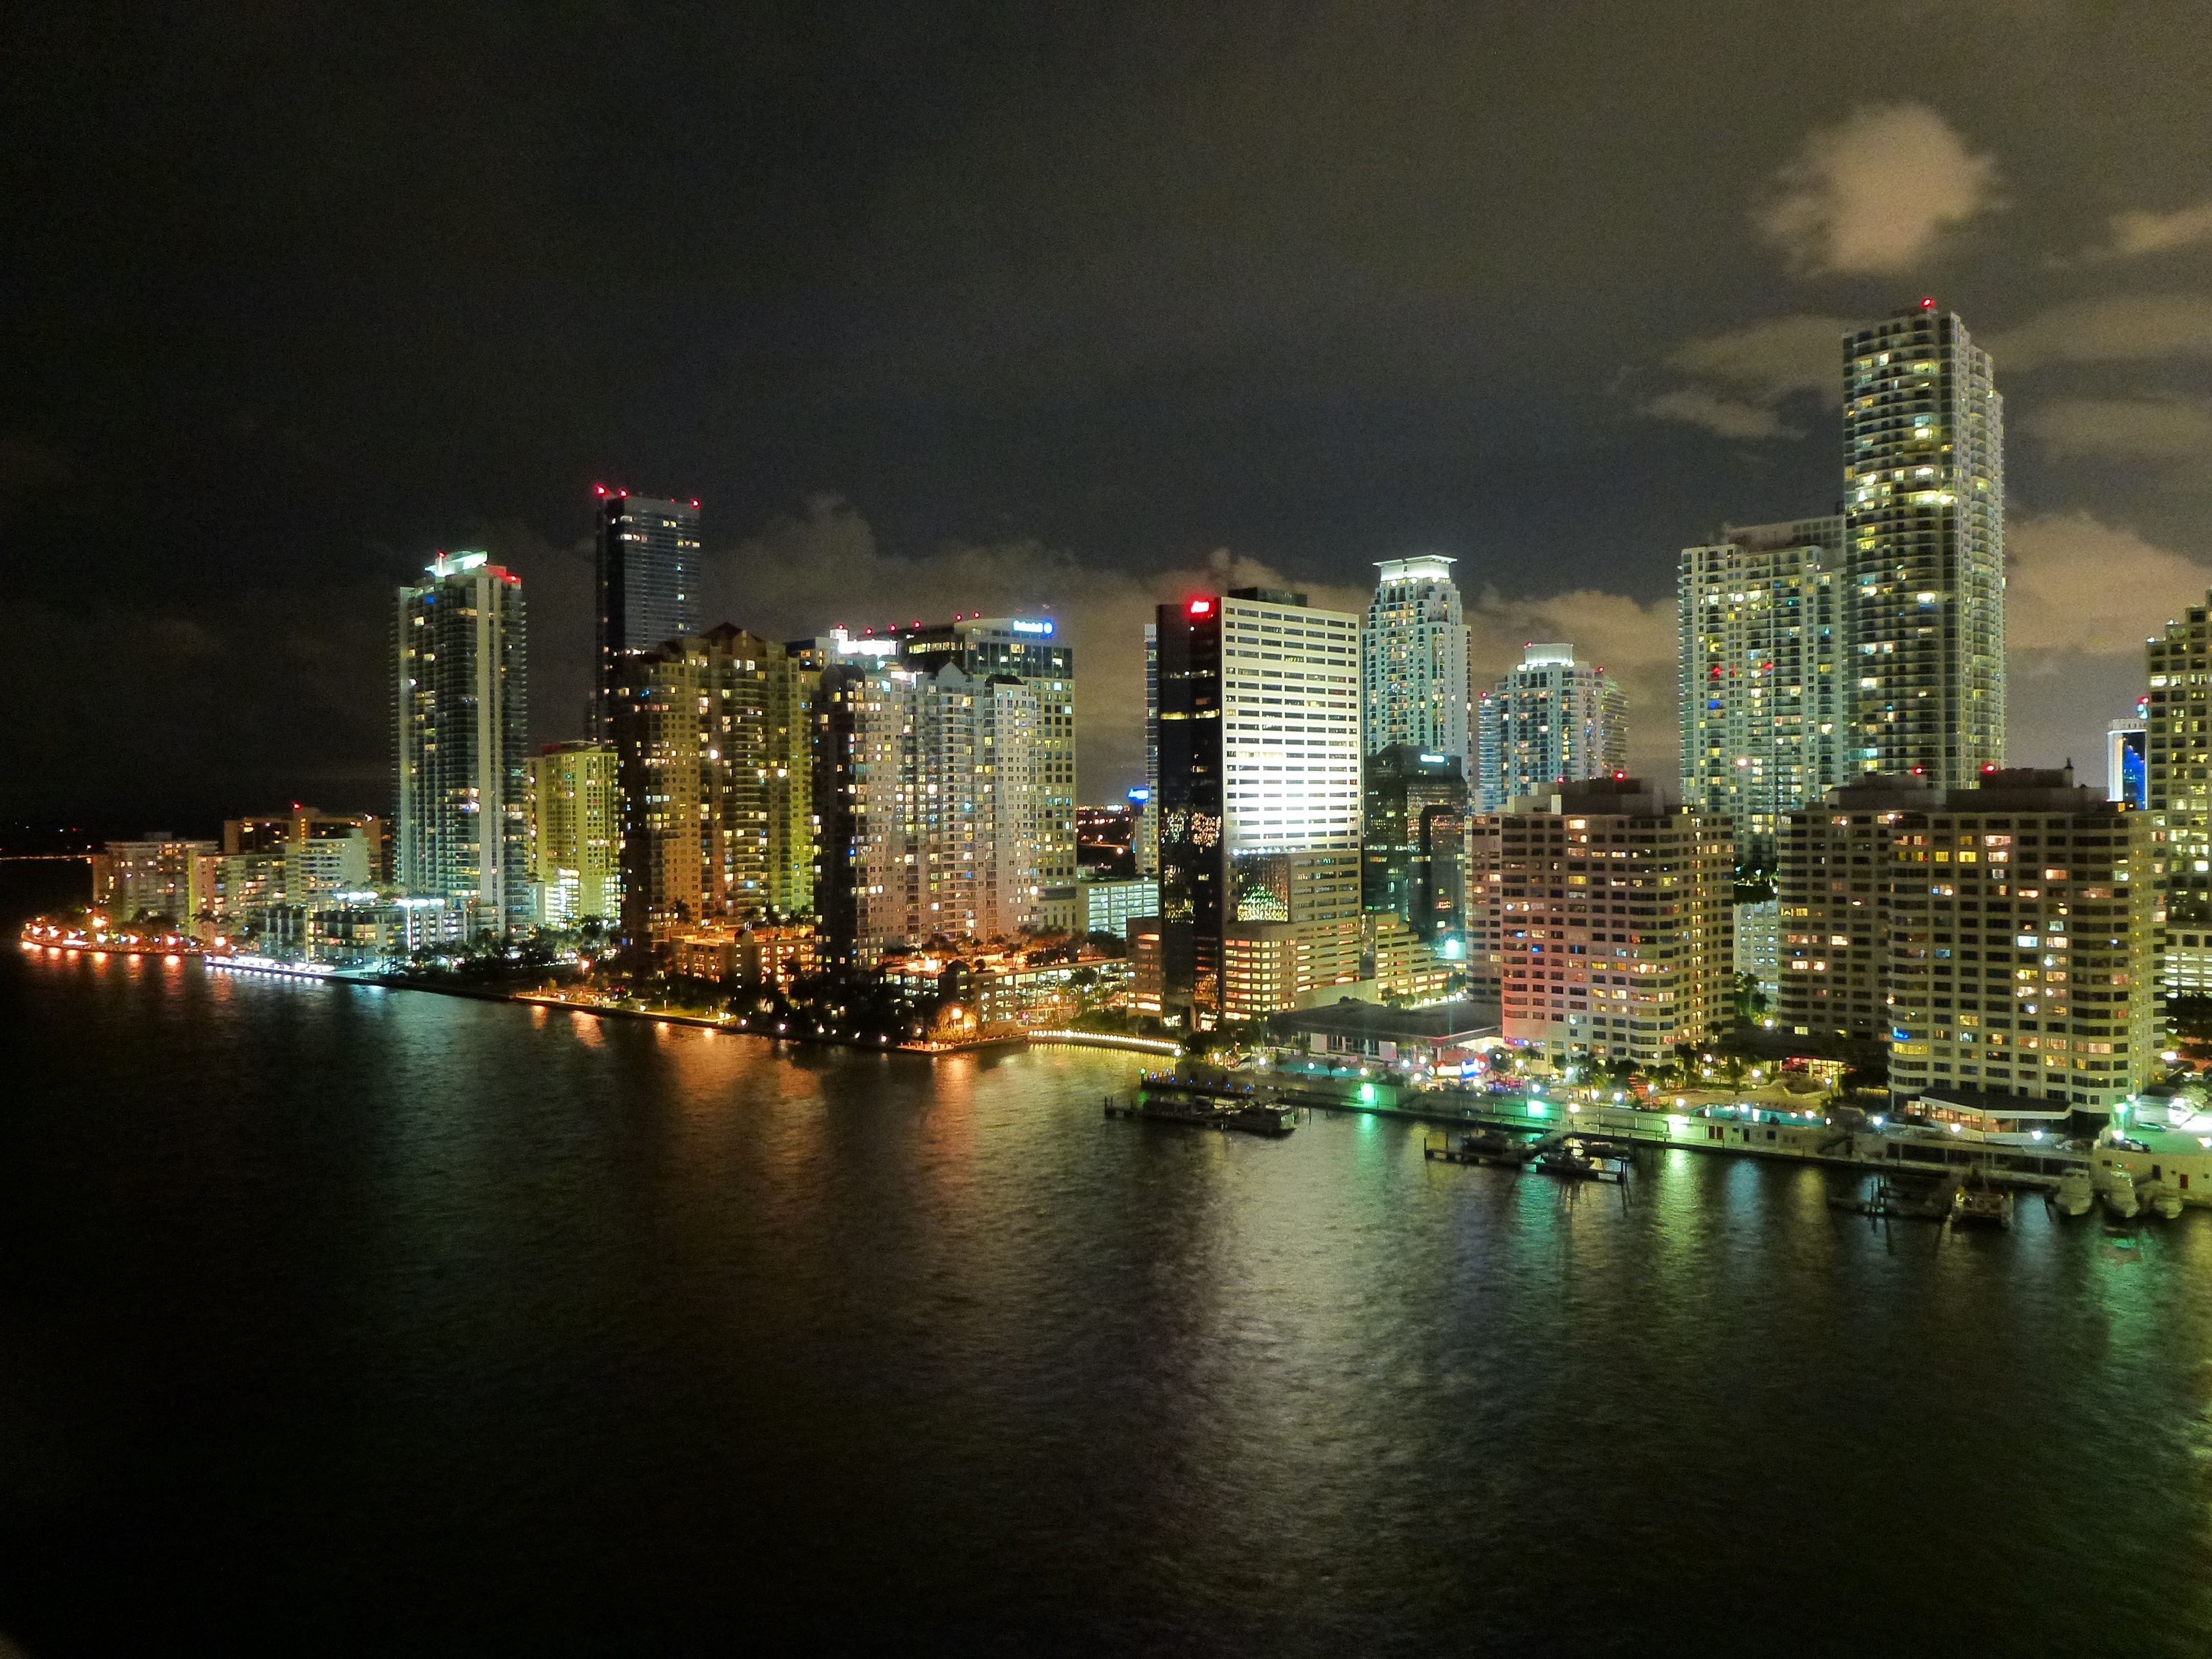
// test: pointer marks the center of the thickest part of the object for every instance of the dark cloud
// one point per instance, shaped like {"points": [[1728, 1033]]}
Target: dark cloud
{"points": [[1063, 299]]}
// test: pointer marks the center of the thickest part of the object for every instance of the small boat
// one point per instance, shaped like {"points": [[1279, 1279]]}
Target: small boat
{"points": [[2166, 1200], [2117, 1188], [2076, 1192], [1572, 1160], [1978, 1202], [1164, 1101]]}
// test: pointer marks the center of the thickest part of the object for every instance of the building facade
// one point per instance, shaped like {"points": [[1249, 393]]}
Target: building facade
{"points": [[647, 577], [1832, 892], [1923, 526], [1413, 661], [2020, 939], [1413, 841], [575, 833], [1616, 922], [947, 836], [461, 740], [705, 762], [2178, 746], [1551, 720], [1764, 714], [1027, 648], [157, 875], [2127, 763], [1259, 781]]}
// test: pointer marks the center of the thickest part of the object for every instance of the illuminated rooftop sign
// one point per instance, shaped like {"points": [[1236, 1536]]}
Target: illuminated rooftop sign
{"points": [[1022, 627]]}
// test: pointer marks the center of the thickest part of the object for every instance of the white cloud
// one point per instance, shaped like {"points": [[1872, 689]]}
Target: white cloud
{"points": [[1873, 194], [1730, 418], [2076, 584], [1770, 360], [2137, 232], [2118, 328], [2124, 429], [1751, 372]]}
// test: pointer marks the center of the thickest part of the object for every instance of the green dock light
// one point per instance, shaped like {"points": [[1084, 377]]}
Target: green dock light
{"points": [[1367, 1094]]}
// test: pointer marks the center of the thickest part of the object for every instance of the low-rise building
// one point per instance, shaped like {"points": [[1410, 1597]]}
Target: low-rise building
{"points": [[1443, 1037]]}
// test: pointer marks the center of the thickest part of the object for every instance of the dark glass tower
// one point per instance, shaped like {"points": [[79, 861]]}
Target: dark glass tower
{"points": [[648, 583], [1413, 833], [1193, 845]]}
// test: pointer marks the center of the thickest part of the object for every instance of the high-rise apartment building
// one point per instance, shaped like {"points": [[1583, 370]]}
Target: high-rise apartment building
{"points": [[1413, 652], [1259, 797], [648, 582], [706, 758], [1413, 842], [1832, 892], [1549, 721], [461, 742], [1027, 648], [575, 833], [2177, 742], [1766, 716], [157, 875], [1999, 938], [2021, 930], [1923, 526], [1615, 920], [948, 833]]}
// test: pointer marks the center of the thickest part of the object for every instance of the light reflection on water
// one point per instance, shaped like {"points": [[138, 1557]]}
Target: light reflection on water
{"points": [[444, 1314]]}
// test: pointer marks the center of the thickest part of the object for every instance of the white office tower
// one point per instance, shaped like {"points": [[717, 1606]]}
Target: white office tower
{"points": [[1290, 749], [1413, 655], [461, 743], [1923, 523], [1549, 719], [1764, 707], [949, 832]]}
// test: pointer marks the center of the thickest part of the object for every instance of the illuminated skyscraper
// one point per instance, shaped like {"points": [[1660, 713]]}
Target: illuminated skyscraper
{"points": [[2178, 736], [1549, 719], [1764, 716], [948, 833], [1259, 801], [706, 754], [1414, 661], [575, 833], [647, 571], [1924, 527], [462, 742]]}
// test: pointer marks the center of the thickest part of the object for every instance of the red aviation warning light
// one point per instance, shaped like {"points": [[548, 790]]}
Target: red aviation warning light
{"points": [[1201, 607], [1928, 303]]}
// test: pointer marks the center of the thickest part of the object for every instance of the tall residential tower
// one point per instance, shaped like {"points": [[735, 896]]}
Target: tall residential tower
{"points": [[462, 742], [1414, 661], [1764, 713], [1924, 527], [1550, 719]]}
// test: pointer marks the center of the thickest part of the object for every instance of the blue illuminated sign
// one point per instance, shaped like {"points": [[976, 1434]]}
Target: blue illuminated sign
{"points": [[1021, 627]]}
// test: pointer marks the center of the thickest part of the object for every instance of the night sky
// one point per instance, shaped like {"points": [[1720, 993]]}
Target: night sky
{"points": [[984, 307]]}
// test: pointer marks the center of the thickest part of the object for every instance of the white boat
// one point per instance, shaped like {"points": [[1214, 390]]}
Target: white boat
{"points": [[2075, 1191], [2117, 1182], [2165, 1199]]}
